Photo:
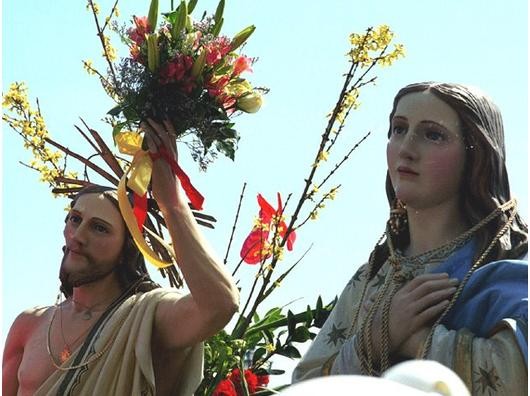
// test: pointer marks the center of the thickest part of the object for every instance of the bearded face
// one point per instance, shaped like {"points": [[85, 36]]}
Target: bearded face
{"points": [[94, 235]]}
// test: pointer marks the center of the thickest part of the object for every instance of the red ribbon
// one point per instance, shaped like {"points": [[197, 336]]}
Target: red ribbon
{"points": [[140, 209], [195, 197]]}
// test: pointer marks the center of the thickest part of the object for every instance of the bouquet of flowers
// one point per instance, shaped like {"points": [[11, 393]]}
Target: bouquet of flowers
{"points": [[187, 72]]}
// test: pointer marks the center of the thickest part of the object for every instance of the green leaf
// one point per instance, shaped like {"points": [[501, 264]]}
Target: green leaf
{"points": [[115, 111], [309, 316], [227, 147], [291, 322], [289, 351], [273, 314], [301, 334], [258, 354], [171, 17]]}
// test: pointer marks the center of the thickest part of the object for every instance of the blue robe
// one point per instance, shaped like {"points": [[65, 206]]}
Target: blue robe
{"points": [[496, 292]]}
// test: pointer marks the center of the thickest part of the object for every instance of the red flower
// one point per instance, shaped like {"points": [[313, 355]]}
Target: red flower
{"points": [[254, 248], [142, 28], [263, 380], [250, 378], [242, 64], [225, 388]]}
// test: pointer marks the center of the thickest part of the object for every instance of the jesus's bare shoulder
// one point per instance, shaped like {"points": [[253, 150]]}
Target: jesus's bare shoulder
{"points": [[25, 364]]}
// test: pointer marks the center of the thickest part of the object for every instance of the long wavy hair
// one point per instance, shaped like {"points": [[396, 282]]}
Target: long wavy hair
{"points": [[485, 184], [131, 265]]}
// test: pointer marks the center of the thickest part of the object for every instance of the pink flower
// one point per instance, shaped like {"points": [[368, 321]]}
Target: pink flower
{"points": [[242, 64], [254, 248], [142, 28]]}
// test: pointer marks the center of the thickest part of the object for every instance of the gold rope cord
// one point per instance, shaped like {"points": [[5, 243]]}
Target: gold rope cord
{"points": [[396, 278]]}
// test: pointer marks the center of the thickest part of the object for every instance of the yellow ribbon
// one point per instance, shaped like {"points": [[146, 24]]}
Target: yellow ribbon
{"points": [[128, 142], [140, 170]]}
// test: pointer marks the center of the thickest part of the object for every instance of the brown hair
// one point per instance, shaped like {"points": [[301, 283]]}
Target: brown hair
{"points": [[485, 183]]}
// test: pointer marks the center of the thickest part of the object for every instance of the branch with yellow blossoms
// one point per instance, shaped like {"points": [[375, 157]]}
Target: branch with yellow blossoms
{"points": [[29, 123], [255, 339]]}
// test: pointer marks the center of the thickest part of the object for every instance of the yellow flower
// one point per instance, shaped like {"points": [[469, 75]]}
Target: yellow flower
{"points": [[323, 156], [333, 193], [109, 51]]}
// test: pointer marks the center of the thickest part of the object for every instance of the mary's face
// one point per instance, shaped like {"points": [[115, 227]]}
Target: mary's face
{"points": [[426, 151]]}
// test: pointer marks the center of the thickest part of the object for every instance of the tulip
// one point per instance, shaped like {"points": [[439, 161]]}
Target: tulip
{"points": [[250, 103]]}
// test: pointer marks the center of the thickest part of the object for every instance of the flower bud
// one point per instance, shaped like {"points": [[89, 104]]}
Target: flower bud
{"points": [[153, 14], [250, 103], [153, 55], [241, 37]]}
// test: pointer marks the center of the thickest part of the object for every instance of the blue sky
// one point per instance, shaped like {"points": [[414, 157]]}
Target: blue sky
{"points": [[301, 47]]}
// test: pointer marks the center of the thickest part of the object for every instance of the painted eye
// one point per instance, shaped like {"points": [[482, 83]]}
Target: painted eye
{"points": [[74, 219], [101, 228], [434, 135], [398, 130]]}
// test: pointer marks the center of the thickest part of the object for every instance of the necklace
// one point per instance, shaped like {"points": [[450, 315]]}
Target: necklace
{"points": [[93, 358], [67, 349], [87, 314]]}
